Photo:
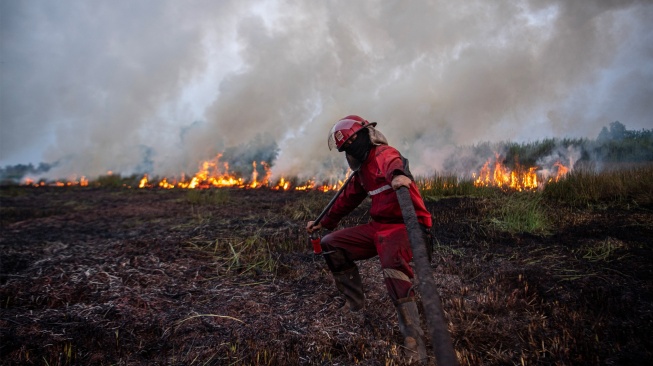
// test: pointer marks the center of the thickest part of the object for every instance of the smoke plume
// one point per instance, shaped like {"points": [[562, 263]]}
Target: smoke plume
{"points": [[163, 85]]}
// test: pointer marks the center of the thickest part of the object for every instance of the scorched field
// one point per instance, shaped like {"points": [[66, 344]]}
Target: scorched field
{"points": [[116, 276]]}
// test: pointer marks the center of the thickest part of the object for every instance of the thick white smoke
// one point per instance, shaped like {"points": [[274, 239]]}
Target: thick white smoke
{"points": [[162, 85]]}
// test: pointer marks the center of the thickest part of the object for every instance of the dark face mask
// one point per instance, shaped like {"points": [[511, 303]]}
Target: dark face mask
{"points": [[360, 147]]}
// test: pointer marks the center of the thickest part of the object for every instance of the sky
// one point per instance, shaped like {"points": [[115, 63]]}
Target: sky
{"points": [[161, 85]]}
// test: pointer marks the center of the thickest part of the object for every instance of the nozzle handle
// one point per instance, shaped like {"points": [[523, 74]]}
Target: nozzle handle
{"points": [[315, 242]]}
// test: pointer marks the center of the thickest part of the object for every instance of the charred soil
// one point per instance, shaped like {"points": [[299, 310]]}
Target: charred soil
{"points": [[98, 276]]}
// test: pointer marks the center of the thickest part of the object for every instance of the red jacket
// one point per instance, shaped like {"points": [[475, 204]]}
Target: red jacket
{"points": [[374, 178]]}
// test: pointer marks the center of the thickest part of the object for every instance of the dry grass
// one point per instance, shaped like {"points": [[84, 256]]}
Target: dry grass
{"points": [[150, 278]]}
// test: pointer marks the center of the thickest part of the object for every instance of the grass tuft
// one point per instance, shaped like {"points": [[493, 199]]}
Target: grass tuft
{"points": [[441, 186], [207, 196], [520, 213], [308, 207], [602, 251], [236, 256]]}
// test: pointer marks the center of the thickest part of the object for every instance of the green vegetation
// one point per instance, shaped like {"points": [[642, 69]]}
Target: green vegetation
{"points": [[440, 186], [520, 213], [630, 186], [526, 211], [207, 196], [601, 251], [115, 181], [237, 255], [614, 169], [617, 144], [584, 186]]}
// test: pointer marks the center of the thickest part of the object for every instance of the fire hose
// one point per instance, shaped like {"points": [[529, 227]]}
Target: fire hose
{"points": [[436, 324]]}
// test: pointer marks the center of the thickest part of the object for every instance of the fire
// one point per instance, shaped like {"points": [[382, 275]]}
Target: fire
{"points": [[81, 182], [212, 174], [561, 170], [164, 184], [216, 174], [332, 187], [143, 182], [283, 185], [310, 184], [496, 174], [254, 183]]}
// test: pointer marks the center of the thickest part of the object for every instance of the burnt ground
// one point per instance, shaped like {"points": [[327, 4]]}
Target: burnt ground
{"points": [[92, 276]]}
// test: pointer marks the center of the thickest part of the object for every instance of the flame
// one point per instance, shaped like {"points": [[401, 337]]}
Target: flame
{"points": [[254, 183], [143, 182], [82, 182], [164, 184], [561, 170], [498, 175], [213, 173], [210, 175], [283, 185], [310, 184]]}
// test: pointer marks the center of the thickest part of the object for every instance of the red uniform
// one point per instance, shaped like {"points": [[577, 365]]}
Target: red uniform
{"points": [[386, 234]]}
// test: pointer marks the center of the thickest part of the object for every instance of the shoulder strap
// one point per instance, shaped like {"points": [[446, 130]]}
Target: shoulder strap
{"points": [[406, 167]]}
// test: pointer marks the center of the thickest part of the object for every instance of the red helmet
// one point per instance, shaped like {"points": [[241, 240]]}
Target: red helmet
{"points": [[344, 129]]}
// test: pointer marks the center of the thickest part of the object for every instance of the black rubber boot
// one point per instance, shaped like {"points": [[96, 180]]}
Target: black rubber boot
{"points": [[351, 287], [409, 325]]}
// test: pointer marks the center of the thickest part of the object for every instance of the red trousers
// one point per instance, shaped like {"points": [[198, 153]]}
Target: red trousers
{"points": [[388, 241]]}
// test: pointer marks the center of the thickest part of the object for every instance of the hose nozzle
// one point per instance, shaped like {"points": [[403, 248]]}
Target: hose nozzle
{"points": [[315, 241]]}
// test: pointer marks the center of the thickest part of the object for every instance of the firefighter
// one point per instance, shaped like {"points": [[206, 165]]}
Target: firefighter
{"points": [[380, 170]]}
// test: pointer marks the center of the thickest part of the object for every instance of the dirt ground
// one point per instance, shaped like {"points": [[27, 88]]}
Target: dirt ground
{"points": [[98, 276]]}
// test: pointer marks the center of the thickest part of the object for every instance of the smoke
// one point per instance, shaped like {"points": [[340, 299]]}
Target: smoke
{"points": [[567, 156], [162, 86]]}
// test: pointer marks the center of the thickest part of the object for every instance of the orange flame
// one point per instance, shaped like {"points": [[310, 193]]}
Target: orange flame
{"points": [[501, 176], [82, 182], [498, 175], [213, 173], [562, 170], [164, 184], [143, 182], [283, 185]]}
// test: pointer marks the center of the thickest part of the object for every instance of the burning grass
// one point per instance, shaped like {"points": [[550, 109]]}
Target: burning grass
{"points": [[125, 276]]}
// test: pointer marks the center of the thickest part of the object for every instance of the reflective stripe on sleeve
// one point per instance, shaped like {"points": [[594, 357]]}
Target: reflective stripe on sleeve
{"points": [[379, 190]]}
